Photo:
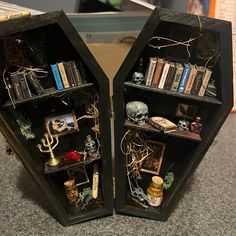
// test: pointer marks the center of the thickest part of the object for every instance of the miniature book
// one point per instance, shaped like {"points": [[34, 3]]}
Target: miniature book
{"points": [[162, 124]]}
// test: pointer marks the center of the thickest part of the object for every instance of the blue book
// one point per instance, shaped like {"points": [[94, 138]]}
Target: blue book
{"points": [[57, 76], [184, 78]]}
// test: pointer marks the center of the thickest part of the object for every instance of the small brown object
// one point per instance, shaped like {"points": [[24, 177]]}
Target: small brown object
{"points": [[72, 192], [196, 126]]}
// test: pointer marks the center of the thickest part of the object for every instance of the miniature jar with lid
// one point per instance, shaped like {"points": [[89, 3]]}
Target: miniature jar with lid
{"points": [[155, 191]]}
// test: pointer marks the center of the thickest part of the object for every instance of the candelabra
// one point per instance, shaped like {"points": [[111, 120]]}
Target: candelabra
{"points": [[50, 142]]}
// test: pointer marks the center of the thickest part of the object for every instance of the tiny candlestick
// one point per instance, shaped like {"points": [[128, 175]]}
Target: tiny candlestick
{"points": [[50, 142]]}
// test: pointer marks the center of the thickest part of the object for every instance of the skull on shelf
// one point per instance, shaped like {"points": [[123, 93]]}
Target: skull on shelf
{"points": [[183, 125], [138, 77], [137, 112]]}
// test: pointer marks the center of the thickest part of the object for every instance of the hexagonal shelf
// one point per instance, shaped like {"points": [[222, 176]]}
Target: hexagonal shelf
{"points": [[55, 86], [143, 151]]}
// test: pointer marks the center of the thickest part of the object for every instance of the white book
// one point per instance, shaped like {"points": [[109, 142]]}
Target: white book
{"points": [[164, 75]]}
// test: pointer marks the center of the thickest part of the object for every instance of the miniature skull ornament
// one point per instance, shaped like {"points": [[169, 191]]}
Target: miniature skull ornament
{"points": [[183, 125], [138, 77], [137, 112]]}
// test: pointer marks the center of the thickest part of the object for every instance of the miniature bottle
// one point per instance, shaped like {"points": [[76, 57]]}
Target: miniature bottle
{"points": [[155, 191], [196, 125], [72, 192]]}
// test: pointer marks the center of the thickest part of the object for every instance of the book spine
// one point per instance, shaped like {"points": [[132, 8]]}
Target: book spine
{"points": [[170, 77], [205, 82], [150, 71], [35, 84], [177, 77], [57, 76], [192, 76], [184, 78], [164, 75], [24, 86], [63, 75], [16, 86], [197, 82], [157, 73], [82, 71], [69, 73], [77, 75]]}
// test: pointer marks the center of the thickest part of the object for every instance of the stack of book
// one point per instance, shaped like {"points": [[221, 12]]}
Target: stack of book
{"points": [[66, 74], [21, 83], [177, 77]]}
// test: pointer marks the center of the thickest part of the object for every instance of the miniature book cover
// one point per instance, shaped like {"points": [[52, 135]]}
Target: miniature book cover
{"points": [[162, 124]]}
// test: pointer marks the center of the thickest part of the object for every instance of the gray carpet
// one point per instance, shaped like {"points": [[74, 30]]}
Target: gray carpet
{"points": [[207, 207]]}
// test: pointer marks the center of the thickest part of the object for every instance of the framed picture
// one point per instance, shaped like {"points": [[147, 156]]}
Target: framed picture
{"points": [[152, 164], [78, 173], [186, 111], [61, 124]]}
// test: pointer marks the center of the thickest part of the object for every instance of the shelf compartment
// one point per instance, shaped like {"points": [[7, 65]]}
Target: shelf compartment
{"points": [[178, 133], [48, 93], [62, 167], [174, 94]]}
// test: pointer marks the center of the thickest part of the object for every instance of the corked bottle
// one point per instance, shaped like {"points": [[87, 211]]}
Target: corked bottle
{"points": [[155, 191]]}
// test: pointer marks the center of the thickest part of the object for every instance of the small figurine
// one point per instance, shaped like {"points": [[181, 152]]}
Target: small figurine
{"points": [[196, 126], [72, 192], [137, 112], [183, 125], [48, 142], [90, 146], [138, 77], [155, 191]]}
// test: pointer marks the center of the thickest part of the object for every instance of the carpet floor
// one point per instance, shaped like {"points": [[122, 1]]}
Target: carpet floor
{"points": [[207, 206]]}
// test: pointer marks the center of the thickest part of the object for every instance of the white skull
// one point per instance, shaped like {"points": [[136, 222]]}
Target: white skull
{"points": [[137, 77], [183, 125], [137, 112]]}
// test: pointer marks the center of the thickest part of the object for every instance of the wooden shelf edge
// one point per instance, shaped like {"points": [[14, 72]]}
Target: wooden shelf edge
{"points": [[50, 170], [178, 133], [175, 94], [49, 93]]}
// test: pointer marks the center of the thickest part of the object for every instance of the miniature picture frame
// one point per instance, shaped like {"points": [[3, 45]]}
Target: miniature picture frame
{"points": [[78, 173], [61, 124], [186, 111], [152, 163]]}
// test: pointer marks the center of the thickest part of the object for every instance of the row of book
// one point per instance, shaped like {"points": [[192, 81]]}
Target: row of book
{"points": [[177, 77], [25, 85], [66, 74], [22, 85]]}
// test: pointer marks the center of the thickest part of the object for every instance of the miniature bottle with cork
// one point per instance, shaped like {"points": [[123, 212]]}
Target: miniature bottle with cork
{"points": [[155, 191]]}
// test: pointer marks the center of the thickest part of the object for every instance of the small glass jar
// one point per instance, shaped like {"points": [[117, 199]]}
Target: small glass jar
{"points": [[155, 191]]}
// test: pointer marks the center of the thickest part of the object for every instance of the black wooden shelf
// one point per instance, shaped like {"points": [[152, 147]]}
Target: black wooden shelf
{"points": [[66, 165], [178, 133], [175, 94], [48, 93]]}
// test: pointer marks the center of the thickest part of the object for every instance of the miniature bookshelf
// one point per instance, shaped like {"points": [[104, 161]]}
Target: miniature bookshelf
{"points": [[54, 40], [183, 149]]}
